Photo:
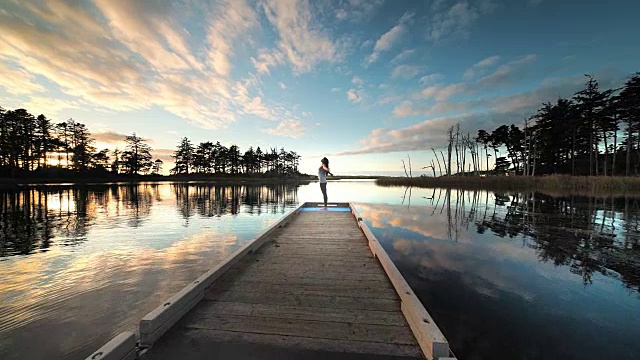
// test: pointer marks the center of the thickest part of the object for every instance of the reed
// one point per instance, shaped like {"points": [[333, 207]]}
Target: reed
{"points": [[551, 184]]}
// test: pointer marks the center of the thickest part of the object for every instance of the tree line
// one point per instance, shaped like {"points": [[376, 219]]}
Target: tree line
{"points": [[38, 146], [210, 158], [595, 132]]}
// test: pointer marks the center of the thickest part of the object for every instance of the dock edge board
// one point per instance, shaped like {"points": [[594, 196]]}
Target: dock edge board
{"points": [[432, 341], [121, 347]]}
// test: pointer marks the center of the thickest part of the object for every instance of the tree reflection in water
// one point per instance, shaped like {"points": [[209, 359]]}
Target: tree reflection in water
{"points": [[587, 234], [30, 218]]}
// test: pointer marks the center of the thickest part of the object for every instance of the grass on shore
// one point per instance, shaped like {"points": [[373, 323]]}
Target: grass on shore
{"points": [[556, 184]]}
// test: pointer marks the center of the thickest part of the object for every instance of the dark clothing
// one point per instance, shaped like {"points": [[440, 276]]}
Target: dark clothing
{"points": [[323, 187]]}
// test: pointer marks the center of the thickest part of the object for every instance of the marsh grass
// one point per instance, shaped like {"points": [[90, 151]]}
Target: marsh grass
{"points": [[553, 184]]}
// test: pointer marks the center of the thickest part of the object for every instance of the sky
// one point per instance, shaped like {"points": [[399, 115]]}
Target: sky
{"points": [[367, 83]]}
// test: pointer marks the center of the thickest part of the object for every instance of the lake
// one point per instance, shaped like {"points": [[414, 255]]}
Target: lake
{"points": [[505, 276]]}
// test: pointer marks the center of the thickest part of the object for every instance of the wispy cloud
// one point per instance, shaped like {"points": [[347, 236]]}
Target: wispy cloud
{"points": [[404, 109], [288, 128], [110, 137], [456, 19], [18, 81], [121, 55], [405, 54], [356, 95], [405, 72], [302, 42], [507, 73], [357, 10], [480, 66], [282, 86], [388, 39], [431, 79]]}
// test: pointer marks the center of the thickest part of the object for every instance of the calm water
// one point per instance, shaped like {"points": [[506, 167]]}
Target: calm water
{"points": [[506, 276], [520, 276]]}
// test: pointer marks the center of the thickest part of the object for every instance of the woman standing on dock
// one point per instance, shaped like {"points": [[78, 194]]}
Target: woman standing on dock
{"points": [[322, 176]]}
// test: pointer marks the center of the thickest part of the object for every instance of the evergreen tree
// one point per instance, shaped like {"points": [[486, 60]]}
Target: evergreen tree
{"points": [[136, 158], [183, 157]]}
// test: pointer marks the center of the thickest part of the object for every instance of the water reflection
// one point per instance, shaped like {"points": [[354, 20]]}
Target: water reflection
{"points": [[520, 275], [81, 263], [30, 218]]}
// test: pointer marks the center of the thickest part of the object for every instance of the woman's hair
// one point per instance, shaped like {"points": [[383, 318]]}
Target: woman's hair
{"points": [[325, 161]]}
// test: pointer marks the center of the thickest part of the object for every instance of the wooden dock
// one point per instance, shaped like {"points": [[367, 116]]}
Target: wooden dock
{"points": [[317, 285]]}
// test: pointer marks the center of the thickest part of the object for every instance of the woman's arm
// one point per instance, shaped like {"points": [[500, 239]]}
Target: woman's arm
{"points": [[327, 169]]}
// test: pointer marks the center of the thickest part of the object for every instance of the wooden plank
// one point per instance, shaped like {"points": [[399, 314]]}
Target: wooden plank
{"points": [[311, 329], [278, 311], [335, 274], [153, 325], [276, 255], [326, 267], [121, 347], [431, 340], [339, 302], [351, 289], [200, 338], [294, 250], [323, 247], [304, 281]]}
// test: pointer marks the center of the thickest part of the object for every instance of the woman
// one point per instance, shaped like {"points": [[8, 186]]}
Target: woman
{"points": [[322, 175]]}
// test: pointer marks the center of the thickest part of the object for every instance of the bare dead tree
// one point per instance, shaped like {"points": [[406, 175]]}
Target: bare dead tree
{"points": [[450, 148], [432, 168], [405, 168], [457, 146], [444, 163], [438, 160]]}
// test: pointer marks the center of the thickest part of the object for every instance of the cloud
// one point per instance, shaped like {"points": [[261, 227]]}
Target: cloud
{"points": [[301, 41], [421, 136], [431, 79], [405, 72], [288, 128], [166, 155], [472, 72], [357, 10], [335, 89], [443, 92], [485, 113], [109, 137], [267, 59], [404, 109], [356, 80], [503, 76], [50, 106], [123, 56], [356, 95], [282, 85], [405, 54], [388, 39], [455, 20], [507, 73], [18, 81]]}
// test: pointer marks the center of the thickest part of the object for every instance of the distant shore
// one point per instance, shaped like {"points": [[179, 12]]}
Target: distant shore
{"points": [[552, 184], [207, 178]]}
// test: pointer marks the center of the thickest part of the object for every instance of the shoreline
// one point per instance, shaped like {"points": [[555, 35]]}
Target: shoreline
{"points": [[196, 178], [552, 184]]}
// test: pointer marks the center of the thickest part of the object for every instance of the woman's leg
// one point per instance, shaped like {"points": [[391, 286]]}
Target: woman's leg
{"points": [[323, 187]]}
